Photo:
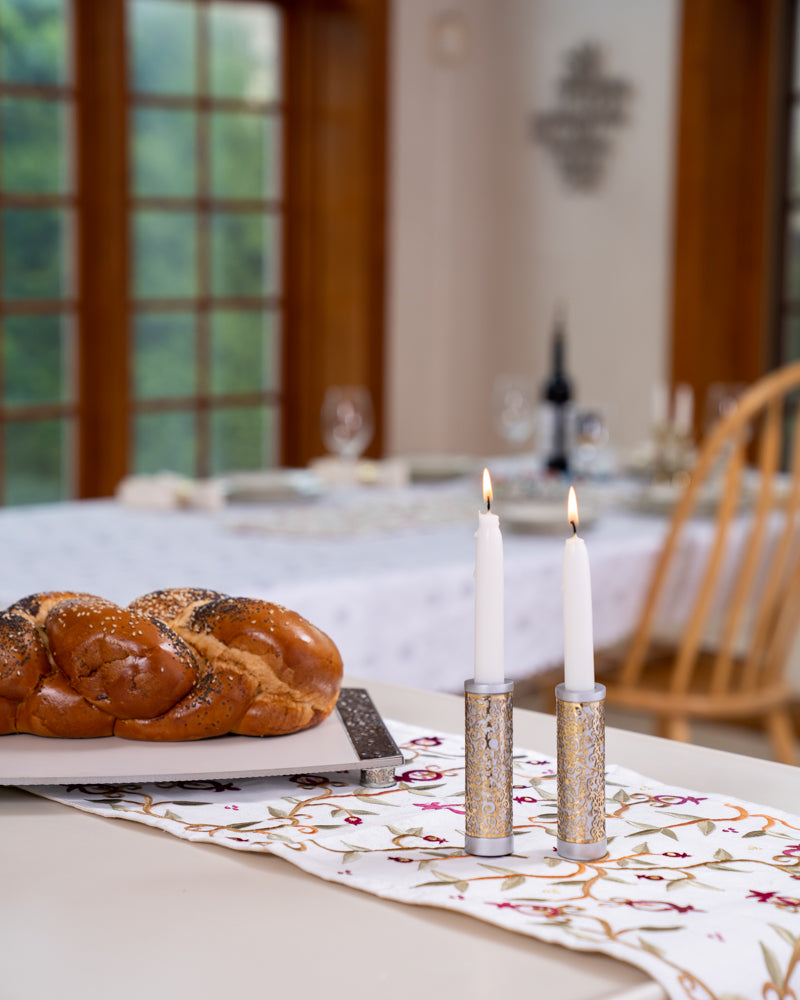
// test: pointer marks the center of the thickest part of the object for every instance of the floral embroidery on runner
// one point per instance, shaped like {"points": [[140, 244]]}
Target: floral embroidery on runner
{"points": [[699, 890]]}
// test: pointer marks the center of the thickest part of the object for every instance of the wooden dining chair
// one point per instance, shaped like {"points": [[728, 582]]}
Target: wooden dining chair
{"points": [[756, 607]]}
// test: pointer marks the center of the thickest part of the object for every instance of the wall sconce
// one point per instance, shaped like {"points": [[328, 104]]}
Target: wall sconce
{"points": [[589, 105]]}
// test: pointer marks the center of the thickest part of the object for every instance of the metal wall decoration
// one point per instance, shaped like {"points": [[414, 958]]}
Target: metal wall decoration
{"points": [[589, 105]]}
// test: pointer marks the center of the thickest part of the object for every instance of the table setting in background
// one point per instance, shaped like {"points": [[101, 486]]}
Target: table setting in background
{"points": [[386, 569]]}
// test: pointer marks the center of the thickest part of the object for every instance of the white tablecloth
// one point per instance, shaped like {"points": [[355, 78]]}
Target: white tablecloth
{"points": [[399, 602]]}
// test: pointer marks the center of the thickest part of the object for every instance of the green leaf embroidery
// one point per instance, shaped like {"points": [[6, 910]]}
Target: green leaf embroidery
{"points": [[500, 871], [678, 883], [773, 968], [787, 936], [513, 882], [722, 855], [706, 826], [651, 948]]}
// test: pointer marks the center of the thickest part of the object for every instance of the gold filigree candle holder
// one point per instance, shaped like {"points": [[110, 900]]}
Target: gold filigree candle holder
{"points": [[581, 778], [488, 748]]}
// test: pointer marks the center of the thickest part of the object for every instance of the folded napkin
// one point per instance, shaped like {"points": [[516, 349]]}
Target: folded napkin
{"points": [[700, 890]]}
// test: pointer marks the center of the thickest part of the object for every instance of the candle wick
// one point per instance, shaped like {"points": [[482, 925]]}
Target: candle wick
{"points": [[574, 527], [488, 504]]}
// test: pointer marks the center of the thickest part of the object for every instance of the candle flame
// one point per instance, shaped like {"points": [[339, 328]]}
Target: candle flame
{"points": [[572, 508], [488, 496]]}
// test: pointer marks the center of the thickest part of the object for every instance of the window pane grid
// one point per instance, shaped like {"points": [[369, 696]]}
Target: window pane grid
{"points": [[38, 404], [232, 189]]}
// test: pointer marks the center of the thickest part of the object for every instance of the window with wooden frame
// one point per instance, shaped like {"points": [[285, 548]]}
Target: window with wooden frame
{"points": [[177, 181]]}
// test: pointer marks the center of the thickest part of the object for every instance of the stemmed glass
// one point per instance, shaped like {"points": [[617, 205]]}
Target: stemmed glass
{"points": [[514, 404], [347, 420], [722, 398]]}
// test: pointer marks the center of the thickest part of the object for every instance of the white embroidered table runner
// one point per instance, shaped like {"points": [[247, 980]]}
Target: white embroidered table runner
{"points": [[698, 889]]}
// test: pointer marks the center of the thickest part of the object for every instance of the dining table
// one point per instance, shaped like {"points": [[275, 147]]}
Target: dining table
{"points": [[94, 905], [386, 571]]}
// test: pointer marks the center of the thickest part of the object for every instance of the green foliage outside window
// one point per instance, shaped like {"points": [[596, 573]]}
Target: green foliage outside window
{"points": [[37, 243]]}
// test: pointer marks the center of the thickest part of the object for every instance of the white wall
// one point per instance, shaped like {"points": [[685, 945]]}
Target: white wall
{"points": [[485, 235]]}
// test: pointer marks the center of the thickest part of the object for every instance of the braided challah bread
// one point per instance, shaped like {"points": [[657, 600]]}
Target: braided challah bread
{"points": [[179, 664]]}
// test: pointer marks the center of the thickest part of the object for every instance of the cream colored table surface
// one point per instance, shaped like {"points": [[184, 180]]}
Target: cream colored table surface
{"points": [[96, 908]]}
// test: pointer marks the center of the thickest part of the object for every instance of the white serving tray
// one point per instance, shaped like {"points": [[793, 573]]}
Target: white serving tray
{"points": [[352, 737]]}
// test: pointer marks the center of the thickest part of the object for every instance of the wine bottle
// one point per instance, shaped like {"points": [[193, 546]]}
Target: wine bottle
{"points": [[557, 394]]}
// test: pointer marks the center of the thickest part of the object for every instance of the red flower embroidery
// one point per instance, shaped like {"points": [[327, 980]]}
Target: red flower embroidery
{"points": [[458, 810], [656, 906], [419, 776], [353, 820], [782, 902]]}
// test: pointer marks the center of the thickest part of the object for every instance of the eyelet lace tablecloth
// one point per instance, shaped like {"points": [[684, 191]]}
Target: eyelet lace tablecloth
{"points": [[698, 889]]}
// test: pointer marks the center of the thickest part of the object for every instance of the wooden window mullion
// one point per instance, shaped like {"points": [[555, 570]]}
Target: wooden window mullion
{"points": [[103, 292]]}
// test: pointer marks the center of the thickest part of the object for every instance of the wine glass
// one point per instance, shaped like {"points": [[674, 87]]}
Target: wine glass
{"points": [[514, 404], [347, 420], [722, 398]]}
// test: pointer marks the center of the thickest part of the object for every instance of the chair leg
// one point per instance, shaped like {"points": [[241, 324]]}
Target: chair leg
{"points": [[781, 734], [674, 727]]}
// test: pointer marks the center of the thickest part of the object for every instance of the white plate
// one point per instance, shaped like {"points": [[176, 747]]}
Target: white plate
{"points": [[272, 486], [540, 517], [435, 468]]}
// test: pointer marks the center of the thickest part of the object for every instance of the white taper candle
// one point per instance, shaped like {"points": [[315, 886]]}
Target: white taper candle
{"points": [[577, 590], [489, 598]]}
